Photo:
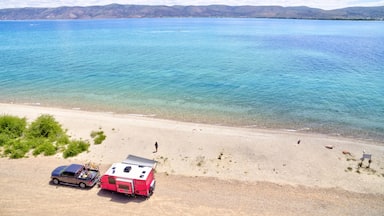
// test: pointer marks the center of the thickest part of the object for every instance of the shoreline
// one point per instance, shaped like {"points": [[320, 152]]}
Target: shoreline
{"points": [[222, 152], [218, 121]]}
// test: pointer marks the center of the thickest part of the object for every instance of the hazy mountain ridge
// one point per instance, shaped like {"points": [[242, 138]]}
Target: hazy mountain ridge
{"points": [[141, 11]]}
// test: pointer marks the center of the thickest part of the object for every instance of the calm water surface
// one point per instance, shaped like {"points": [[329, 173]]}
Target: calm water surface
{"points": [[317, 76]]}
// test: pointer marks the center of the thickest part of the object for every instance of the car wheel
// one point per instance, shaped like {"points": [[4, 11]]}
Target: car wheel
{"points": [[55, 181], [82, 185]]}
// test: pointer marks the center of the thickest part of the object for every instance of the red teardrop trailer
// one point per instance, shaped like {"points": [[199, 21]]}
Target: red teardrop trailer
{"points": [[133, 176]]}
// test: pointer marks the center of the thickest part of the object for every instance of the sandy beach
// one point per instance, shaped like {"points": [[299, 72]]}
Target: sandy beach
{"points": [[202, 169]]}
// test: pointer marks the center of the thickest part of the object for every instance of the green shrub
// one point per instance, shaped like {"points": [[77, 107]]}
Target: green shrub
{"points": [[16, 149], [98, 137], [94, 134], [47, 127], [44, 136], [46, 147], [62, 140], [4, 139], [75, 147], [12, 126], [16, 154], [34, 142]]}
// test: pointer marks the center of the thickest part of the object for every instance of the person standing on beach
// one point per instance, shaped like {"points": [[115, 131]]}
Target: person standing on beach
{"points": [[156, 146]]}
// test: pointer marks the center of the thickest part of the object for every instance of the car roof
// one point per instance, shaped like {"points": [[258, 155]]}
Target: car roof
{"points": [[74, 168]]}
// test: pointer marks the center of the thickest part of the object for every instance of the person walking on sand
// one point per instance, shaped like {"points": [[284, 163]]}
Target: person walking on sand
{"points": [[156, 146]]}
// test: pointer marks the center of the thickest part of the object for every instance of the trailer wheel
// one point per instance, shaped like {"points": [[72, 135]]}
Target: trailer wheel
{"points": [[55, 181], [82, 185], [149, 194]]}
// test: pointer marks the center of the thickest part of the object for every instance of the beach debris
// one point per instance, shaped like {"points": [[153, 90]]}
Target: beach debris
{"points": [[220, 155], [329, 146], [275, 171], [200, 160], [298, 141], [345, 152], [348, 155]]}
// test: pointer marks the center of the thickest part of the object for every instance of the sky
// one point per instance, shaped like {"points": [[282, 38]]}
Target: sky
{"points": [[323, 4]]}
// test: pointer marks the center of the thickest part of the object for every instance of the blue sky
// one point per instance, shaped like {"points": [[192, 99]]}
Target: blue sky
{"points": [[324, 4]]}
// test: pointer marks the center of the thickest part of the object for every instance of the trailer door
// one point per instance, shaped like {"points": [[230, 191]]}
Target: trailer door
{"points": [[124, 186]]}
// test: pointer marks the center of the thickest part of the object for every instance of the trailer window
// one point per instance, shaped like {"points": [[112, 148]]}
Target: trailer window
{"points": [[111, 180], [124, 187]]}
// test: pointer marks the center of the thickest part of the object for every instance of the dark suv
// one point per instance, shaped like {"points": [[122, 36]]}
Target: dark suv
{"points": [[76, 174]]}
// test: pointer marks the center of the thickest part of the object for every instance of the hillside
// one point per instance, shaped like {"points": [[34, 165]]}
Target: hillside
{"points": [[140, 11]]}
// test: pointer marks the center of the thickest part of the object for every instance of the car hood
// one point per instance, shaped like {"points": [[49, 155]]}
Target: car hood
{"points": [[58, 170]]}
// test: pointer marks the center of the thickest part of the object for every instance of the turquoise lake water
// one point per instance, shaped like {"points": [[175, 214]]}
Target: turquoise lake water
{"points": [[310, 75]]}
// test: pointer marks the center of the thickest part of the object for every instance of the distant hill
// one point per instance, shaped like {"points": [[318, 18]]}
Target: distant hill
{"points": [[140, 11]]}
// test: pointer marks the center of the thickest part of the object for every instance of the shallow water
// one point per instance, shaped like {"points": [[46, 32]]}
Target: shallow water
{"points": [[317, 76]]}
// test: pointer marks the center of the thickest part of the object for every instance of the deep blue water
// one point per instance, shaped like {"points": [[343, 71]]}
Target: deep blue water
{"points": [[317, 76]]}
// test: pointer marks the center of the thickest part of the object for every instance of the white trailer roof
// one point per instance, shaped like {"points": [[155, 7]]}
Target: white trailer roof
{"points": [[132, 159], [130, 171]]}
